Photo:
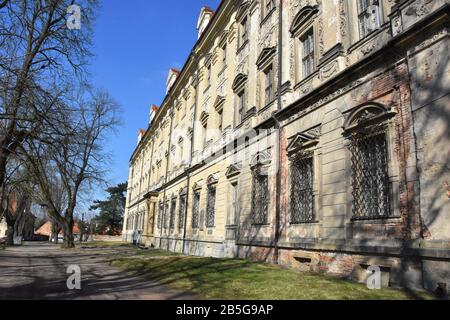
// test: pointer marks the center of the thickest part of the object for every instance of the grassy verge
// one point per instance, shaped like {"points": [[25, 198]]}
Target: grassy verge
{"points": [[241, 279], [105, 244]]}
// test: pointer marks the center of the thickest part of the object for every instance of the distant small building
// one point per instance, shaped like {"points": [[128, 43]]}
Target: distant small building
{"points": [[46, 230]]}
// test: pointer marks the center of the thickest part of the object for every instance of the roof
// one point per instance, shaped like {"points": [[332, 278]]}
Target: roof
{"points": [[46, 229]]}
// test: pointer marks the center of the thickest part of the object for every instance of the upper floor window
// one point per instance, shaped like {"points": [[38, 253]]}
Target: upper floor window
{"points": [[243, 33], [269, 85], [220, 120], [208, 74], [307, 43], [241, 104], [239, 85], [269, 5], [224, 55], [369, 17]]}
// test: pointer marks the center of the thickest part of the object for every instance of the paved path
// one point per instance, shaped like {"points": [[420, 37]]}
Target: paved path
{"points": [[38, 271]]}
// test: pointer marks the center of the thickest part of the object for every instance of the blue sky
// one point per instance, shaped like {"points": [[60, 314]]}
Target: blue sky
{"points": [[136, 42]]}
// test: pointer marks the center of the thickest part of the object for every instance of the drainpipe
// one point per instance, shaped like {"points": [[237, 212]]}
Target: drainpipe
{"points": [[148, 186], [190, 162], [165, 182], [277, 128]]}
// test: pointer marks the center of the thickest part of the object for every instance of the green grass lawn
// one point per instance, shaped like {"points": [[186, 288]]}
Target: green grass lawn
{"points": [[242, 279]]}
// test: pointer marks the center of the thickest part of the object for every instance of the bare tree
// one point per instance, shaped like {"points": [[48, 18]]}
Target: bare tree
{"points": [[72, 151], [37, 54]]}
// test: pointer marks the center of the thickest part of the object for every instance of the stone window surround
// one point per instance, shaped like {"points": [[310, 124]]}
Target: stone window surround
{"points": [[387, 118], [298, 30], [265, 165], [313, 147]]}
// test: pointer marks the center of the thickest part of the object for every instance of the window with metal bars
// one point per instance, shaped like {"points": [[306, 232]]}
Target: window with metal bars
{"points": [[243, 31], [302, 190], [269, 79], [307, 41], [241, 106], [260, 197], [211, 207], [195, 209], [181, 212], [166, 215], [368, 16], [172, 214], [160, 216], [370, 177]]}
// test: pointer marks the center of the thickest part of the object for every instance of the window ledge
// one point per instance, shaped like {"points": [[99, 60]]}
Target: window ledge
{"points": [[242, 47], [377, 220], [304, 223], [368, 37], [305, 80], [268, 15]]}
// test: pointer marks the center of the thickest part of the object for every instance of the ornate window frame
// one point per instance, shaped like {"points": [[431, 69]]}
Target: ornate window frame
{"points": [[211, 199], [260, 168], [303, 22], [306, 145], [364, 119], [240, 88], [243, 16]]}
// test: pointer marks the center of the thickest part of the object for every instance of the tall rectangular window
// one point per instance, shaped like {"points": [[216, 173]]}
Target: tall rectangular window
{"points": [[370, 177], [368, 16], [172, 214], [205, 135], [307, 41], [195, 210], [211, 207], [224, 55], [269, 6], [220, 126], [166, 215], [260, 197], [244, 31], [160, 215], [302, 191], [209, 75], [234, 204], [268, 82], [240, 106], [181, 212]]}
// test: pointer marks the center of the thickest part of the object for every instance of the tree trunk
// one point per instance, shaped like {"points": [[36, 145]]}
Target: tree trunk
{"points": [[10, 236], [69, 241]]}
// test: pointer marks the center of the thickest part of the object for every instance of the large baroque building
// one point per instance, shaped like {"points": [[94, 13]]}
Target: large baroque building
{"points": [[309, 133]]}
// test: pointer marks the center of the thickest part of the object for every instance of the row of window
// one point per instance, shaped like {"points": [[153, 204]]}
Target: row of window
{"points": [[369, 179]]}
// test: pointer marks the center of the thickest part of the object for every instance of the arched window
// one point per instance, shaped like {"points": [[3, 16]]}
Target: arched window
{"points": [[304, 30], [182, 208], [239, 88], [260, 188], [367, 131], [211, 201], [160, 215]]}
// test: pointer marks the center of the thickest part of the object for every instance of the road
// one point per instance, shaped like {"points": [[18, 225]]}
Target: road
{"points": [[38, 271]]}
